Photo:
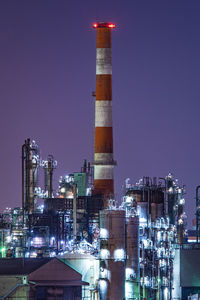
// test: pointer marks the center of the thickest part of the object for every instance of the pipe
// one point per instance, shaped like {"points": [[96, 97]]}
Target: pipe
{"points": [[12, 290], [197, 213], [23, 204], [74, 212]]}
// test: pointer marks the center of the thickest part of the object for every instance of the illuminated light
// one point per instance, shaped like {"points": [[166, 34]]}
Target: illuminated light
{"points": [[182, 201], [130, 274], [180, 222], [69, 195], [37, 241], [8, 239], [147, 281], [33, 254], [52, 240], [192, 239], [147, 243], [62, 190], [52, 254], [88, 191], [103, 25], [104, 234], [166, 293], [27, 254], [162, 263], [111, 25], [103, 285], [129, 290], [104, 273], [129, 199], [170, 190], [143, 220], [119, 255], [159, 236], [104, 254]]}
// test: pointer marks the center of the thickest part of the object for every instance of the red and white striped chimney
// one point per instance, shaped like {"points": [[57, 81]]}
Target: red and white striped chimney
{"points": [[103, 158]]}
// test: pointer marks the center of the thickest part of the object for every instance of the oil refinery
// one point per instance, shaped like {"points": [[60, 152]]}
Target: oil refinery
{"points": [[136, 247]]}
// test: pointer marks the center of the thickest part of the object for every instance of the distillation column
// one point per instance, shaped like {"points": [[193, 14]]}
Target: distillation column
{"points": [[49, 165], [103, 159], [30, 164]]}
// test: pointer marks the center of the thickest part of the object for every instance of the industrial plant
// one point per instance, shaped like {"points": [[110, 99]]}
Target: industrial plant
{"points": [[77, 241]]}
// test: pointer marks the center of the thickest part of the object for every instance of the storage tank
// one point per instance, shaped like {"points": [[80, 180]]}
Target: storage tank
{"points": [[112, 254]]}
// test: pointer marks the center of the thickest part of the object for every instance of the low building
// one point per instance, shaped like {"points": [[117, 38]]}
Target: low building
{"points": [[186, 273], [39, 279]]}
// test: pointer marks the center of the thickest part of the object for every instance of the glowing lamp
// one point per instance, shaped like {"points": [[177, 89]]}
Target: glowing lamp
{"points": [[104, 254], [119, 255], [111, 25], [103, 25], [104, 234]]}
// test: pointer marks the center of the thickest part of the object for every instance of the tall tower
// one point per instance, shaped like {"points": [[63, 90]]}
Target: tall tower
{"points": [[103, 157]]}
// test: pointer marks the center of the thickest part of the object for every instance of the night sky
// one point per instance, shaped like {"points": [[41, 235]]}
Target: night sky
{"points": [[47, 75]]}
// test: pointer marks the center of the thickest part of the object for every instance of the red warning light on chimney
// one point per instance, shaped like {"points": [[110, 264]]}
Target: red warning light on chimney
{"points": [[103, 25]]}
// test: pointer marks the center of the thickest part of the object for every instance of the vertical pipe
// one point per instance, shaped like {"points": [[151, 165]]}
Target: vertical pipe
{"points": [[74, 211], [197, 213], [103, 158], [23, 203], [29, 205]]}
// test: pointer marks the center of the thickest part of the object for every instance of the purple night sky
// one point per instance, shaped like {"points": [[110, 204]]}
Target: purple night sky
{"points": [[47, 75]]}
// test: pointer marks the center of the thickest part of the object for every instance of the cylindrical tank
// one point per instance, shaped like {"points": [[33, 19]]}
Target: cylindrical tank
{"points": [[112, 254], [132, 261]]}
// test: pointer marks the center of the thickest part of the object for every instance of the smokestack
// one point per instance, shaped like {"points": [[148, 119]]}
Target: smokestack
{"points": [[103, 157]]}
